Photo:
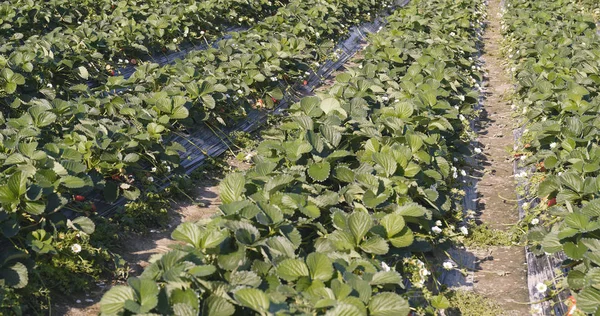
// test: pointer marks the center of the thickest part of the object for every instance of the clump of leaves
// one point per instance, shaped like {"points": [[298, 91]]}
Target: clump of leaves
{"points": [[468, 303]]}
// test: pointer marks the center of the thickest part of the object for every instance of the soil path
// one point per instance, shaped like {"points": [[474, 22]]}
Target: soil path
{"points": [[502, 273]]}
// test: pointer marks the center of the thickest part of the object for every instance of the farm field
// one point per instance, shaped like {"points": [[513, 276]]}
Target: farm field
{"points": [[315, 157]]}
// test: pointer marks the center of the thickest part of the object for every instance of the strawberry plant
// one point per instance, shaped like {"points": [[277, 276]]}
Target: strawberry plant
{"points": [[556, 54], [59, 149], [342, 195]]}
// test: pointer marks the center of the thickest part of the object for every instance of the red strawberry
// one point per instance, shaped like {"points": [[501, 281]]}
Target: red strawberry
{"points": [[305, 82], [93, 207], [133, 61], [115, 177], [112, 72], [274, 100], [552, 201], [79, 198], [527, 145]]}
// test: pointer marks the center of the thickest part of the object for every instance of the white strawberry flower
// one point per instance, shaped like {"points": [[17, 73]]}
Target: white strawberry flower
{"points": [[240, 91], [464, 230], [150, 179], [478, 150], [553, 145], [535, 221], [201, 32], [436, 230], [174, 40], [541, 288], [463, 173], [452, 34], [168, 168], [49, 85], [438, 223], [76, 248], [153, 169], [273, 79], [448, 265]]}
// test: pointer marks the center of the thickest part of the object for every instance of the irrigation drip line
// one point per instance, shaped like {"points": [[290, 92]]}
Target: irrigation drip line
{"points": [[204, 142]]}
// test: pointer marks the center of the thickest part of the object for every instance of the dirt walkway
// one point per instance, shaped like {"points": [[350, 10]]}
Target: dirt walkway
{"points": [[502, 276]]}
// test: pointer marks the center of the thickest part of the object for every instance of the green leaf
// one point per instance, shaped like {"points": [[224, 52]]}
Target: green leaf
{"points": [[17, 183], [403, 239], [253, 298], [319, 171], [386, 277], [72, 182], [232, 187], [320, 267], [188, 232], [393, 224], [588, 300], [83, 73], [146, 291], [592, 208], [412, 210], [572, 180], [7, 195], [440, 302], [217, 306], [292, 269], [35, 208], [132, 193], [344, 309], [576, 280], [111, 191], [113, 302], [388, 304], [83, 224], [574, 251], [387, 162], [330, 105], [131, 158], [16, 276], [375, 245], [360, 223]]}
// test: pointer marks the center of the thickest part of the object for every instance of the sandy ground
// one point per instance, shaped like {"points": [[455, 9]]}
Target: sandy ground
{"points": [[502, 273]]}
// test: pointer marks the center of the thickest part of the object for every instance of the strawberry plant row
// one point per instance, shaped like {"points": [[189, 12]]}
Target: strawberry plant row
{"points": [[52, 63], [555, 50], [208, 141], [60, 148], [345, 196]]}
